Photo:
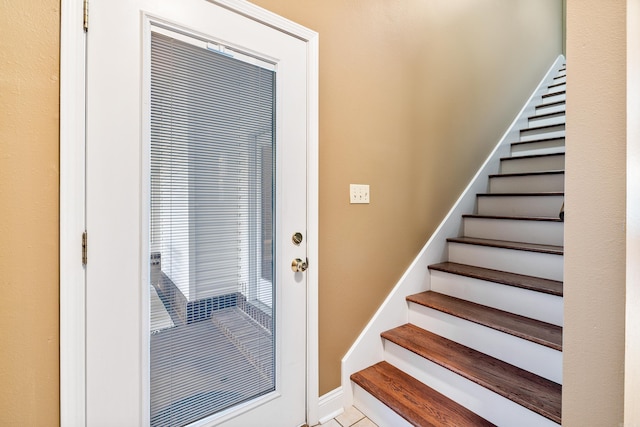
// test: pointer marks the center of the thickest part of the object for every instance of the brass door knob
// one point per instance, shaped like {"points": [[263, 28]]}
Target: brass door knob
{"points": [[298, 265]]}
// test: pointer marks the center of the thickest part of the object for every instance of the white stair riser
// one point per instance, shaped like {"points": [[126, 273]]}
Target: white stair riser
{"points": [[536, 358], [554, 98], [375, 410], [547, 266], [545, 109], [545, 146], [527, 183], [484, 402], [539, 206], [540, 232], [553, 89], [536, 305], [560, 80], [532, 164], [558, 118], [535, 133]]}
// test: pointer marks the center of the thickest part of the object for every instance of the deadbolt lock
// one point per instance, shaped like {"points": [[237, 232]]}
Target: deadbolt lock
{"points": [[296, 238]]}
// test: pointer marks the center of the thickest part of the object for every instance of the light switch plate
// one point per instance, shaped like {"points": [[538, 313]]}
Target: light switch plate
{"points": [[359, 193]]}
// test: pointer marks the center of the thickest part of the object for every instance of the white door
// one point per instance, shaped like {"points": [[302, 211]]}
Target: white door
{"points": [[162, 294]]}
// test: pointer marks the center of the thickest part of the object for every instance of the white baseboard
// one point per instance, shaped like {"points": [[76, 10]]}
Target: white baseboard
{"points": [[330, 405]]}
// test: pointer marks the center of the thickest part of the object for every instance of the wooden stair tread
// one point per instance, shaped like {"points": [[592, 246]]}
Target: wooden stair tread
{"points": [[417, 403], [520, 246], [547, 115], [526, 328], [531, 156], [525, 388], [560, 92], [538, 284], [506, 175], [537, 194], [515, 218], [556, 85], [535, 128], [551, 104], [534, 141]]}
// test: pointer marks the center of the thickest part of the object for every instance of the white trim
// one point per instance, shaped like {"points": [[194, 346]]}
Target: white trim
{"points": [[632, 341], [72, 214], [330, 405], [368, 347], [72, 204]]}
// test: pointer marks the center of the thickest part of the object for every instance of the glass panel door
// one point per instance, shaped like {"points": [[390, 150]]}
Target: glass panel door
{"points": [[211, 228]]}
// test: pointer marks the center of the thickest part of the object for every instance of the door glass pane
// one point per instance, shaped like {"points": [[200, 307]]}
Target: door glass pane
{"points": [[212, 227]]}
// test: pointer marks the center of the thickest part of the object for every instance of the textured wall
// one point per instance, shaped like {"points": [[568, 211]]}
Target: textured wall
{"points": [[413, 96], [594, 330], [29, 46]]}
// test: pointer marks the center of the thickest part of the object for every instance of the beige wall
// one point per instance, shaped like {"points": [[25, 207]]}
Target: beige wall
{"points": [[594, 292], [29, 212], [413, 96]]}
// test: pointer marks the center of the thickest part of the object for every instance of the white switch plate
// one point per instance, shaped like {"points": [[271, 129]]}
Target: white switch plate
{"points": [[359, 193]]}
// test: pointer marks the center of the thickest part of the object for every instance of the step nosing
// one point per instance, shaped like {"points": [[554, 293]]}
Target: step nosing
{"points": [[537, 128], [549, 95], [525, 328], [503, 244], [535, 141], [536, 194], [532, 283], [538, 173], [551, 104], [514, 218], [516, 384], [532, 156]]}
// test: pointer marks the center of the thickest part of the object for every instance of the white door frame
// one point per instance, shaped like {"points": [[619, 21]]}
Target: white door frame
{"points": [[72, 204]]}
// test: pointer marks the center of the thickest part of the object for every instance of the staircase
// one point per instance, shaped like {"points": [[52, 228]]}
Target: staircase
{"points": [[483, 346]]}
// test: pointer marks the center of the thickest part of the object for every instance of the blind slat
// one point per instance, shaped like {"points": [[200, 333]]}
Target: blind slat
{"points": [[212, 190]]}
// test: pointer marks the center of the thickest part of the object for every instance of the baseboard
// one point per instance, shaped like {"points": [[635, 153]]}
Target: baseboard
{"points": [[330, 405]]}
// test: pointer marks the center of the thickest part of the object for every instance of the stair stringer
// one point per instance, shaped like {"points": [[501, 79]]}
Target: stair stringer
{"points": [[368, 348]]}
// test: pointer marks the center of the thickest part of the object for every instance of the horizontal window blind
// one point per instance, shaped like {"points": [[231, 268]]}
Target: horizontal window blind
{"points": [[211, 230]]}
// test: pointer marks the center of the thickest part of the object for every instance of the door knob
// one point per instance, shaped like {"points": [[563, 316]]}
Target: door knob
{"points": [[298, 266]]}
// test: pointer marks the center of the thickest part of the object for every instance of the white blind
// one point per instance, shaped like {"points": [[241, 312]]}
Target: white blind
{"points": [[212, 191]]}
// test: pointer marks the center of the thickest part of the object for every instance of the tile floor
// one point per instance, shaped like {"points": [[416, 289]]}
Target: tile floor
{"points": [[351, 417]]}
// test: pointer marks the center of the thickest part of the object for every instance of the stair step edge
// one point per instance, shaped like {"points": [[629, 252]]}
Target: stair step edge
{"points": [[509, 175], [414, 401], [536, 331], [537, 284], [524, 388], [531, 156], [537, 194], [519, 246]]}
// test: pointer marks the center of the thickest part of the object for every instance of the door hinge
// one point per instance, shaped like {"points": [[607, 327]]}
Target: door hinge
{"points": [[84, 249], [85, 15]]}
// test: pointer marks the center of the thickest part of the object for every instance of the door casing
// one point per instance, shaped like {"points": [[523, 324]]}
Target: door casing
{"points": [[72, 203]]}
